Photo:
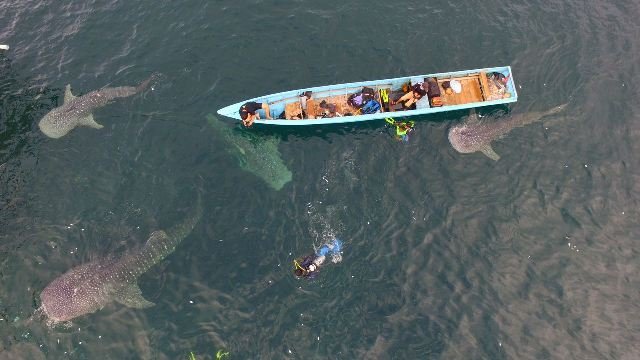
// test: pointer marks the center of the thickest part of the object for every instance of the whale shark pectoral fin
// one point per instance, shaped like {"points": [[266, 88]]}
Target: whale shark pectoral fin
{"points": [[240, 149], [488, 150], [473, 117], [90, 122], [68, 96], [130, 295]]}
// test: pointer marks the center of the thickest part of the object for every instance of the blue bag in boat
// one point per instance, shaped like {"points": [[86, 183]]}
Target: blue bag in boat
{"points": [[371, 107]]}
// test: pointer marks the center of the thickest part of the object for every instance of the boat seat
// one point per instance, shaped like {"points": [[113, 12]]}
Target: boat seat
{"points": [[292, 110], [484, 86], [423, 103], [313, 109]]}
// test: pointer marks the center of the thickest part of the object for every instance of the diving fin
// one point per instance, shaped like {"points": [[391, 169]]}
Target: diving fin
{"points": [[130, 295], [487, 150]]}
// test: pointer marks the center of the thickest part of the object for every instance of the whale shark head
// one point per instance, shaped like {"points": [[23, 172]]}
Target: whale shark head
{"points": [[72, 294], [55, 124], [464, 139]]}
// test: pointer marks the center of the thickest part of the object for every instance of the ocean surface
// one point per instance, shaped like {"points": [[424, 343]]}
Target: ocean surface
{"points": [[446, 255]]}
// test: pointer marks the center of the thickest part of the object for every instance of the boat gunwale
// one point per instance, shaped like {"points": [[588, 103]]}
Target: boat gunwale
{"points": [[232, 110]]}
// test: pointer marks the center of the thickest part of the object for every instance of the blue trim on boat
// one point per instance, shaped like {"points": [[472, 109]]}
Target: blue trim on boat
{"points": [[348, 88]]}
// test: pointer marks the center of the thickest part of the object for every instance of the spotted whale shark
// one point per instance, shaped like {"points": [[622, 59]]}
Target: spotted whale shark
{"points": [[77, 110], [257, 154], [475, 135], [89, 287]]}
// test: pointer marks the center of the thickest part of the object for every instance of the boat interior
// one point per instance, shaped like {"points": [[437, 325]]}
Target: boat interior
{"points": [[474, 87]]}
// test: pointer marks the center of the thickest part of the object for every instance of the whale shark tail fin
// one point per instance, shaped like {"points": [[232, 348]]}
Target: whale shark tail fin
{"points": [[148, 82], [557, 109], [184, 228], [549, 118]]}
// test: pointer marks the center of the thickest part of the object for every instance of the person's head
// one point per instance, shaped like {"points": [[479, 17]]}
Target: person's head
{"points": [[418, 93], [244, 113], [247, 116], [248, 119], [298, 272], [312, 268]]}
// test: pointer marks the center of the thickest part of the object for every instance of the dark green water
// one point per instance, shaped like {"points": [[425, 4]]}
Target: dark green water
{"points": [[447, 256]]}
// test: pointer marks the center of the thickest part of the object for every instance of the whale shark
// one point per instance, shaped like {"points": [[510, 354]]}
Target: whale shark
{"points": [[475, 135], [257, 154], [87, 288], [77, 110]]}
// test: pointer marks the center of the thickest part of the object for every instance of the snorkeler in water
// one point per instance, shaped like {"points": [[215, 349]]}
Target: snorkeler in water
{"points": [[403, 128], [309, 266]]}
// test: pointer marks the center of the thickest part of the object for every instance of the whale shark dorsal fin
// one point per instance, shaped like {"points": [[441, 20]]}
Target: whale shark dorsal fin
{"points": [[488, 150], [130, 295], [68, 96], [90, 122]]}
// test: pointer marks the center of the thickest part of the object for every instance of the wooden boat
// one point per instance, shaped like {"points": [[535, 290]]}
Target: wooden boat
{"points": [[447, 91]]}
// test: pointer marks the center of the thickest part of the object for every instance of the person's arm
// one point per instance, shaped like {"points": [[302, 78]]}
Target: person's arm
{"points": [[404, 98], [250, 119]]}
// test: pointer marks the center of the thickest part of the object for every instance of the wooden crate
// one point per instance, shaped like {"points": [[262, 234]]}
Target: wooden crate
{"points": [[471, 91]]}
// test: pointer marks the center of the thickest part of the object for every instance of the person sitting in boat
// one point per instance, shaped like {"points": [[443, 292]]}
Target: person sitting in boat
{"points": [[329, 110], [409, 99], [309, 266], [249, 112]]}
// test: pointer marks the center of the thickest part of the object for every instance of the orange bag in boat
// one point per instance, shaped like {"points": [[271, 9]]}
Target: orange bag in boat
{"points": [[436, 101]]}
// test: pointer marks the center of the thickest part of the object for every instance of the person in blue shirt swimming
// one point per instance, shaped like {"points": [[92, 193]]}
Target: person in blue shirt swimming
{"points": [[309, 266]]}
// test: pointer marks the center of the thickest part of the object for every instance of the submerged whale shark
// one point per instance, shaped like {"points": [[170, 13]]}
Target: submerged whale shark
{"points": [[89, 287], [77, 111], [256, 154], [475, 135]]}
